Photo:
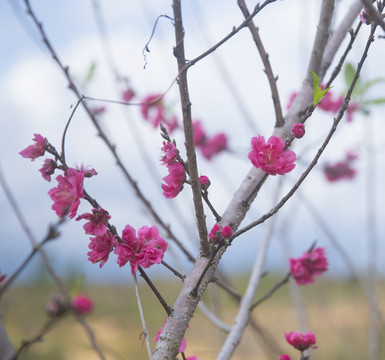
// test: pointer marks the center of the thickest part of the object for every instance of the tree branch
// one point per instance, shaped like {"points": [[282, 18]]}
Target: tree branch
{"points": [[265, 59], [188, 129]]}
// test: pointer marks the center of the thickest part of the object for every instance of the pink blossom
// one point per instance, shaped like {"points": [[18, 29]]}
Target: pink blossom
{"points": [[227, 231], [128, 94], [365, 17], [284, 357], [218, 233], [199, 133], [34, 151], [153, 110], [298, 130], [98, 221], [66, 196], [98, 110], [332, 104], [82, 304], [86, 171], [48, 169], [341, 169], [214, 145], [183, 343], [143, 250], [204, 181], [101, 246], [215, 233], [271, 157], [300, 341], [209, 146], [170, 153], [352, 108], [174, 180], [310, 264], [149, 103]]}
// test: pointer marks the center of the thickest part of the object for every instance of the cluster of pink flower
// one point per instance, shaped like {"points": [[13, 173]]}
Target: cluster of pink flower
{"points": [[176, 173], [219, 233], [37, 150], [271, 157], [330, 104], [312, 263], [154, 110], [300, 342], [342, 169], [209, 146], [143, 250]]}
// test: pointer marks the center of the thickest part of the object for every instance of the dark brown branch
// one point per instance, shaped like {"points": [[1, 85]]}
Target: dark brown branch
{"points": [[337, 70], [271, 292], [279, 121], [188, 129], [235, 30], [52, 234], [155, 291]]}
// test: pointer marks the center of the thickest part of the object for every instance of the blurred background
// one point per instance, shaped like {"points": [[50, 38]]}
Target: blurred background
{"points": [[229, 94]]}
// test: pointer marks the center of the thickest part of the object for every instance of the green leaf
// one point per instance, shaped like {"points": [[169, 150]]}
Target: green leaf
{"points": [[349, 73], [361, 90], [77, 286], [90, 73], [380, 101], [319, 93]]}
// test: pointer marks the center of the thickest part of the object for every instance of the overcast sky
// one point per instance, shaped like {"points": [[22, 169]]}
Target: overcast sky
{"points": [[34, 98]]}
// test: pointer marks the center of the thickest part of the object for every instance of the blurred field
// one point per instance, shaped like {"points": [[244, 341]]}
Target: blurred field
{"points": [[337, 314]]}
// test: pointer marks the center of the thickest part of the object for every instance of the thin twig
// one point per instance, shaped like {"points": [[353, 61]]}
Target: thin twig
{"points": [[52, 234], [279, 121], [188, 129], [235, 30], [177, 273], [67, 126], [30, 236], [140, 308], [337, 70], [26, 344], [272, 291], [166, 307]]}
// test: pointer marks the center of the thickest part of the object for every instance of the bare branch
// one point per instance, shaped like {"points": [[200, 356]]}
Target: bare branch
{"points": [[188, 129], [265, 59]]}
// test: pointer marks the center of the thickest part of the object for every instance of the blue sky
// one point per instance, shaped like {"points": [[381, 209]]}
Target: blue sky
{"points": [[34, 98]]}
